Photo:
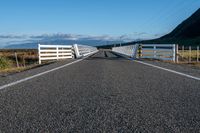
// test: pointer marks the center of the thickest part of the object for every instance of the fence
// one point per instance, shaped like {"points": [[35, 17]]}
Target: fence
{"points": [[159, 51], [130, 51], [83, 50], [54, 52], [20, 57], [188, 54]]}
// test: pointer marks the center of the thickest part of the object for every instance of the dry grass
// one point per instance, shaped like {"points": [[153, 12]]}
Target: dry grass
{"points": [[187, 54], [189, 57], [26, 59], [184, 58], [15, 69]]}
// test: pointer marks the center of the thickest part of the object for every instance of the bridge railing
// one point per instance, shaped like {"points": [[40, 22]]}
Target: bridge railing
{"points": [[159, 51], [84, 50], [130, 51], [54, 52], [58, 52], [150, 51]]}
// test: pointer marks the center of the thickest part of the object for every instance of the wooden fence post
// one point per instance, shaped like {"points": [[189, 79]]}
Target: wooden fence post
{"points": [[197, 53], [24, 61], [177, 54], [16, 59], [190, 54], [183, 50]]}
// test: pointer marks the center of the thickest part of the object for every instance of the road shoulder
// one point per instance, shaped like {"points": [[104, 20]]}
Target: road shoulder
{"points": [[21, 75], [185, 69]]}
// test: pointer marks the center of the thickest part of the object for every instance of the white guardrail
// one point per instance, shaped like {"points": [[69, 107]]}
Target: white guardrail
{"points": [[54, 52], [58, 52], [83, 50], [150, 51], [159, 51], [130, 51]]}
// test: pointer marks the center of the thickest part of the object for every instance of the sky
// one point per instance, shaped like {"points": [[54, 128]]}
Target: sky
{"points": [[125, 19]]}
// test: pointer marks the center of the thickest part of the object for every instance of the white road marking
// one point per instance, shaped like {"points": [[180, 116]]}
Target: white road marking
{"points": [[169, 70], [37, 75], [43, 73]]}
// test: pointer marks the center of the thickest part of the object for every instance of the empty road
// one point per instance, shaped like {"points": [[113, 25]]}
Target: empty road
{"points": [[102, 93]]}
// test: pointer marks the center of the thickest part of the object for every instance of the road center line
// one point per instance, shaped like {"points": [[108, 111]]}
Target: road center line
{"points": [[169, 70], [38, 75]]}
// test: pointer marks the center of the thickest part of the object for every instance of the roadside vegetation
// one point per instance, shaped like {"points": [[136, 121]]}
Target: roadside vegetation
{"points": [[17, 60], [191, 58], [4, 63], [187, 55]]}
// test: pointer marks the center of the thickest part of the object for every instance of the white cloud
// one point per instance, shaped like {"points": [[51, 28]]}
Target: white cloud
{"points": [[20, 39]]}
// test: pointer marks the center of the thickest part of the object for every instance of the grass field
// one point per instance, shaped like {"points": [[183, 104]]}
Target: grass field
{"points": [[187, 56], [25, 58]]}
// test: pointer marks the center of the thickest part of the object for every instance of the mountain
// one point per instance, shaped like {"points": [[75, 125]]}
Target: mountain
{"points": [[186, 33], [190, 28]]}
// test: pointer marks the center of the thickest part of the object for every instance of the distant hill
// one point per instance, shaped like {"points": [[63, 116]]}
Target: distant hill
{"points": [[186, 33], [34, 45], [190, 28]]}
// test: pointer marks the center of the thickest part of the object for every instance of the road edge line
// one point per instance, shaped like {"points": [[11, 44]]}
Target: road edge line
{"points": [[162, 68], [169, 70], [39, 74]]}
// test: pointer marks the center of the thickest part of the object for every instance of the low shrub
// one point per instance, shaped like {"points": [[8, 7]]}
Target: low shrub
{"points": [[4, 63]]}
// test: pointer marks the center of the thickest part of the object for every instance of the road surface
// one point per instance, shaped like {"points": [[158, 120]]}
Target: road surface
{"points": [[102, 93]]}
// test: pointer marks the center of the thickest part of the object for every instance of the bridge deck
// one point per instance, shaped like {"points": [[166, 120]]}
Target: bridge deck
{"points": [[104, 92]]}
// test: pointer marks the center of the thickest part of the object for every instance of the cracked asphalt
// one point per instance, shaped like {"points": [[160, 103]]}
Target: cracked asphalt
{"points": [[103, 93]]}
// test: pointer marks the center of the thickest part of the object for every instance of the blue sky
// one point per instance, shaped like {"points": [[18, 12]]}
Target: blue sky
{"points": [[136, 19]]}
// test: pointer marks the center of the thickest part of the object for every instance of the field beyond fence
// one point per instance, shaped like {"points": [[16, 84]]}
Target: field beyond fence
{"points": [[21, 59], [17, 59], [188, 54]]}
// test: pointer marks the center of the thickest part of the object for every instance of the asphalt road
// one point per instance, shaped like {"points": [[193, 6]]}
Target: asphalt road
{"points": [[103, 93]]}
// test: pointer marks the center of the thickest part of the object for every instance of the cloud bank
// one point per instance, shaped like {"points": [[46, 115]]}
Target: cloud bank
{"points": [[11, 39]]}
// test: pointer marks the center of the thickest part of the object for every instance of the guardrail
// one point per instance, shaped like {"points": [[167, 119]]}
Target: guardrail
{"points": [[130, 51], [54, 52], [84, 50], [159, 51], [150, 51], [57, 52]]}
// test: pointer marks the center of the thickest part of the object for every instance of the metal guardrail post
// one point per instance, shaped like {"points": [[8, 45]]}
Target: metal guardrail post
{"points": [[154, 51], [135, 49], [174, 53], [57, 52], [76, 50]]}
